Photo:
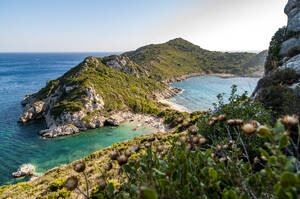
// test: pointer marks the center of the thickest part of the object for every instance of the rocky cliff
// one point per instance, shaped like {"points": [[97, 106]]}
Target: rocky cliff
{"points": [[97, 92], [279, 89]]}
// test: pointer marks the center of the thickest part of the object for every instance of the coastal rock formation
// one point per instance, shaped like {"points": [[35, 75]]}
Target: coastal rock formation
{"points": [[93, 94], [25, 170], [279, 89]]}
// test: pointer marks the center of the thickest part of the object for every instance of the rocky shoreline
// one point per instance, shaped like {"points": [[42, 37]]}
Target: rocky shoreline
{"points": [[71, 123]]}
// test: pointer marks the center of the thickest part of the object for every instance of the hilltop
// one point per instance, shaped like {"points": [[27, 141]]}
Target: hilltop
{"points": [[179, 57], [109, 90]]}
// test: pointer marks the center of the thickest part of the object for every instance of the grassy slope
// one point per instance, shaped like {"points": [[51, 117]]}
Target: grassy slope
{"points": [[179, 57]]}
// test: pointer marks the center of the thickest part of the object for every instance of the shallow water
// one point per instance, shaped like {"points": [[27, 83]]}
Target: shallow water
{"points": [[199, 93], [19, 144]]}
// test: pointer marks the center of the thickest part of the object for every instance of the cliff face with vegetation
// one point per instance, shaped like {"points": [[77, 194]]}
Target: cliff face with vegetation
{"points": [[92, 94], [279, 89], [101, 91]]}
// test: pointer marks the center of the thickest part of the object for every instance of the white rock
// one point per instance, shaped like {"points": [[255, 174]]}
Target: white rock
{"points": [[25, 170]]}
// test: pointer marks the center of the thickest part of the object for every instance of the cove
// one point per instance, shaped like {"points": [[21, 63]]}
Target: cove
{"points": [[199, 93]]}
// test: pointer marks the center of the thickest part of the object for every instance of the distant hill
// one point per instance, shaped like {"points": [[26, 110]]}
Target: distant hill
{"points": [[179, 57]]}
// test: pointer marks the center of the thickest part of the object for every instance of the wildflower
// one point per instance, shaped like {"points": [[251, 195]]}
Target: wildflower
{"points": [[102, 182], [128, 153], [290, 120], [114, 155], [249, 128], [193, 130], [79, 167], [218, 148], [179, 120], [225, 146], [122, 159], [202, 140], [160, 148], [256, 160], [71, 183], [222, 117]]}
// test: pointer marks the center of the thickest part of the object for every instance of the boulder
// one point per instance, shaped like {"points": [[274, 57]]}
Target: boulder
{"points": [[291, 5], [288, 46], [294, 21], [293, 63], [25, 170]]}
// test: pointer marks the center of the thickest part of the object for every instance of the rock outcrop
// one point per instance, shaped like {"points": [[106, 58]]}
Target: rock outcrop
{"points": [[25, 170], [279, 89]]}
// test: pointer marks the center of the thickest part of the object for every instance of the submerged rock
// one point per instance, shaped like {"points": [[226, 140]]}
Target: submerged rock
{"points": [[25, 170]]}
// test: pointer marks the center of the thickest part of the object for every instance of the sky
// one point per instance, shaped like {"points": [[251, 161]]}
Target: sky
{"points": [[122, 25]]}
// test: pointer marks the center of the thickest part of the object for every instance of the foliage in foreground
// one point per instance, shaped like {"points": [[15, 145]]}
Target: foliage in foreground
{"points": [[220, 156]]}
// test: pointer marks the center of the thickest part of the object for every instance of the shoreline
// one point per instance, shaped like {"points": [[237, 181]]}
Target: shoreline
{"points": [[222, 75]]}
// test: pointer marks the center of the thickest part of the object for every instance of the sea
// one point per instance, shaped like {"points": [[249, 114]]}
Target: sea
{"points": [[26, 73]]}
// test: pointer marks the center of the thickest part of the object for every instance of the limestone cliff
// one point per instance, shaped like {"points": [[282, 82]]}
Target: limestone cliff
{"points": [[279, 89]]}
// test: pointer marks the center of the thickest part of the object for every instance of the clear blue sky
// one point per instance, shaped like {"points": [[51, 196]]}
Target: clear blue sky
{"points": [[120, 25]]}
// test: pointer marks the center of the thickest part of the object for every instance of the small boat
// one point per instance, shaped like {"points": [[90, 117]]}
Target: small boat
{"points": [[135, 128]]}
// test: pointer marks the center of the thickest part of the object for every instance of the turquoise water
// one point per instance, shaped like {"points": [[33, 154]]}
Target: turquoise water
{"points": [[200, 92], [20, 144]]}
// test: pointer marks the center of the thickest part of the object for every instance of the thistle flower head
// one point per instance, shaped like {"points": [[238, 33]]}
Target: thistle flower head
{"points": [[114, 155], [218, 148], [122, 159], [193, 130], [71, 183], [79, 167], [249, 128], [202, 140], [222, 117], [290, 120]]}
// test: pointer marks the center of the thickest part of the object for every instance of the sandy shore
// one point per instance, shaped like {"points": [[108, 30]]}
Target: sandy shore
{"points": [[175, 106], [141, 120]]}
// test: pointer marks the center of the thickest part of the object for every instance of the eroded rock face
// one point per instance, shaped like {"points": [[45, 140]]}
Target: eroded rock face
{"points": [[123, 64], [279, 88]]}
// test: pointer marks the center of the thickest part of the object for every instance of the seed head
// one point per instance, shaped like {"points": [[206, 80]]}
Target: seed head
{"points": [[218, 148], [79, 167], [186, 124], [114, 155], [290, 120], [222, 117], [160, 148], [256, 160], [195, 140], [225, 146], [147, 145], [193, 130], [202, 140], [122, 159], [71, 183], [249, 128], [128, 153]]}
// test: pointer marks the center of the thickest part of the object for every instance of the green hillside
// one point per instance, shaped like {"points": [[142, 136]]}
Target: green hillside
{"points": [[178, 57]]}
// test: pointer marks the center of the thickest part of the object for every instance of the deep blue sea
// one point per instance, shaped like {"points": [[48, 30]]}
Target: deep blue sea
{"points": [[25, 73]]}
